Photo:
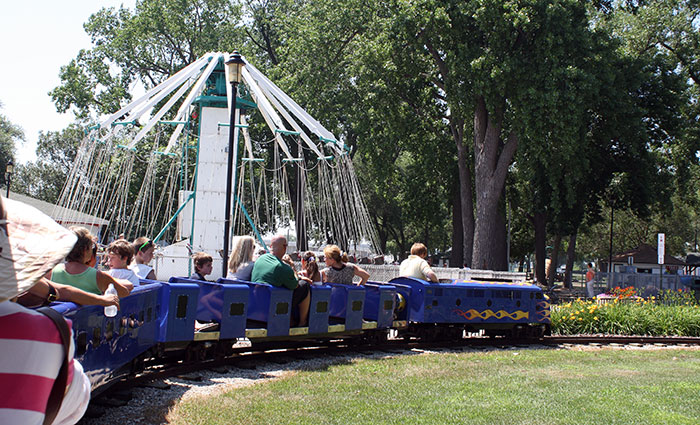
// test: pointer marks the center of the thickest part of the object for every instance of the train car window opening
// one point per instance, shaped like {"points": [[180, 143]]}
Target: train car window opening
{"points": [[96, 337], [435, 303], [109, 330], [356, 306], [478, 293], [532, 295], [236, 309], [282, 308], [488, 303], [517, 303], [132, 321], [122, 326], [458, 301], [181, 306], [81, 344], [388, 305], [322, 307], [141, 314], [149, 314], [538, 295]]}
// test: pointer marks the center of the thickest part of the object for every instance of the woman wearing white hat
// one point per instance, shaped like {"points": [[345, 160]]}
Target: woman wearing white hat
{"points": [[40, 382]]}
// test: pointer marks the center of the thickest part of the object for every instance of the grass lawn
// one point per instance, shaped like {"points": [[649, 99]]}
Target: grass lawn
{"points": [[524, 386]]}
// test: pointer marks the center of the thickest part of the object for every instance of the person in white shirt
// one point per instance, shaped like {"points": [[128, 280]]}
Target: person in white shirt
{"points": [[416, 266], [119, 254], [143, 254]]}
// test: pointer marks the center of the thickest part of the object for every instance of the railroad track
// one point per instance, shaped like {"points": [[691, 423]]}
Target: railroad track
{"points": [[248, 357]]}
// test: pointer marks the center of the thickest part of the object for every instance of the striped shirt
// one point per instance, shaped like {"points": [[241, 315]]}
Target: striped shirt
{"points": [[32, 354]]}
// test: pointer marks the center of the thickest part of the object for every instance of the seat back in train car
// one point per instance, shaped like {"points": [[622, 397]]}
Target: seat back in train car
{"points": [[414, 292], [319, 309], [380, 300], [268, 304], [105, 346], [347, 304], [222, 304], [178, 310]]}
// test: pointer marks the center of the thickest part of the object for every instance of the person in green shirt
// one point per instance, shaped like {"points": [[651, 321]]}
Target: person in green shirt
{"points": [[270, 269]]}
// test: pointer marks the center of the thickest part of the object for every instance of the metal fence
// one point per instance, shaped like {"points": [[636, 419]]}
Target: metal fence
{"points": [[645, 284]]}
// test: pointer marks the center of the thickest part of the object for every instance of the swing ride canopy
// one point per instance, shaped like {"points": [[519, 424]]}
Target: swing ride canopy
{"points": [[144, 168]]}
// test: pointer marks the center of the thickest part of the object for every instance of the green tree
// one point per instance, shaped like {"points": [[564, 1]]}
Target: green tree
{"points": [[44, 178], [10, 135], [147, 45]]}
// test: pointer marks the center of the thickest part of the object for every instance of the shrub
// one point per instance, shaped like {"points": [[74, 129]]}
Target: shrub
{"points": [[673, 313]]}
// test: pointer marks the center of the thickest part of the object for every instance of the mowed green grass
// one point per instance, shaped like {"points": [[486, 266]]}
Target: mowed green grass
{"points": [[528, 386]]}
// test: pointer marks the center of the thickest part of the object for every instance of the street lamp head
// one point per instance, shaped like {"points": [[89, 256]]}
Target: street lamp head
{"points": [[235, 65], [10, 167]]}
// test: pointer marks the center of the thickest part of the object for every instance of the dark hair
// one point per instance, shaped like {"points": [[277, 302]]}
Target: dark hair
{"points": [[122, 248], [141, 244], [311, 264], [82, 245], [200, 259]]}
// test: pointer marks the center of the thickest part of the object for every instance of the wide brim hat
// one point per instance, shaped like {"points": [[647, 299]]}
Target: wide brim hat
{"points": [[31, 244]]}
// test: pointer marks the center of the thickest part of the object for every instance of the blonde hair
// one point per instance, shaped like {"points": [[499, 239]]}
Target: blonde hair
{"points": [[242, 249], [333, 251], [419, 249]]}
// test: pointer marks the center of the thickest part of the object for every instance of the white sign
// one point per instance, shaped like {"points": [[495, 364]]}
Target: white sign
{"points": [[662, 248]]}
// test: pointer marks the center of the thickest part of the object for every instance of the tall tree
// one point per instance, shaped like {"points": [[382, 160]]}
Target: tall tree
{"points": [[10, 135]]}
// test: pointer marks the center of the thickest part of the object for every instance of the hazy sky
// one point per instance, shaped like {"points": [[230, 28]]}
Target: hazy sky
{"points": [[38, 37]]}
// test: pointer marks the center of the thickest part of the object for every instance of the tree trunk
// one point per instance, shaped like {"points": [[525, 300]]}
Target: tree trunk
{"points": [[570, 253], [492, 158], [465, 192], [457, 255], [539, 221], [552, 272], [501, 240]]}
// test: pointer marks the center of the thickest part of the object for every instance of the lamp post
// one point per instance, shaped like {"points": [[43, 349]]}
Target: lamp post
{"points": [[234, 65], [8, 176]]}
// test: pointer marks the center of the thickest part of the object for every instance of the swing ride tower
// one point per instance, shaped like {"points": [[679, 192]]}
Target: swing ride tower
{"points": [[180, 199]]}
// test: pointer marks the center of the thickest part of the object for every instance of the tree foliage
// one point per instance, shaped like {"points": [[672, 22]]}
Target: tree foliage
{"points": [[557, 110]]}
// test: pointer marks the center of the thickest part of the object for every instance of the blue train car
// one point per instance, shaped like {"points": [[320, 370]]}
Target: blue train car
{"points": [[225, 305], [108, 346], [474, 305]]}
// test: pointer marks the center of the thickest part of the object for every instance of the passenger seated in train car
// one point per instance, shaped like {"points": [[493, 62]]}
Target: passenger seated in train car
{"points": [[416, 265], [42, 382], [143, 254], [202, 265], [75, 272], [240, 262], [339, 270], [270, 269], [119, 255], [309, 268]]}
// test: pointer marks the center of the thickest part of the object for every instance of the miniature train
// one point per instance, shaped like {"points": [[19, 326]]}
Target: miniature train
{"points": [[197, 320]]}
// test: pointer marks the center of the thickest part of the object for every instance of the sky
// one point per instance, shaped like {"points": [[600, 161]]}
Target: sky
{"points": [[38, 37]]}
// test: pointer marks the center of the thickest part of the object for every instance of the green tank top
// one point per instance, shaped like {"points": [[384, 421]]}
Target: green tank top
{"points": [[87, 280]]}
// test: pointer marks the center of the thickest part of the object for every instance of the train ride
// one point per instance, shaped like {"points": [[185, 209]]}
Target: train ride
{"points": [[198, 320]]}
